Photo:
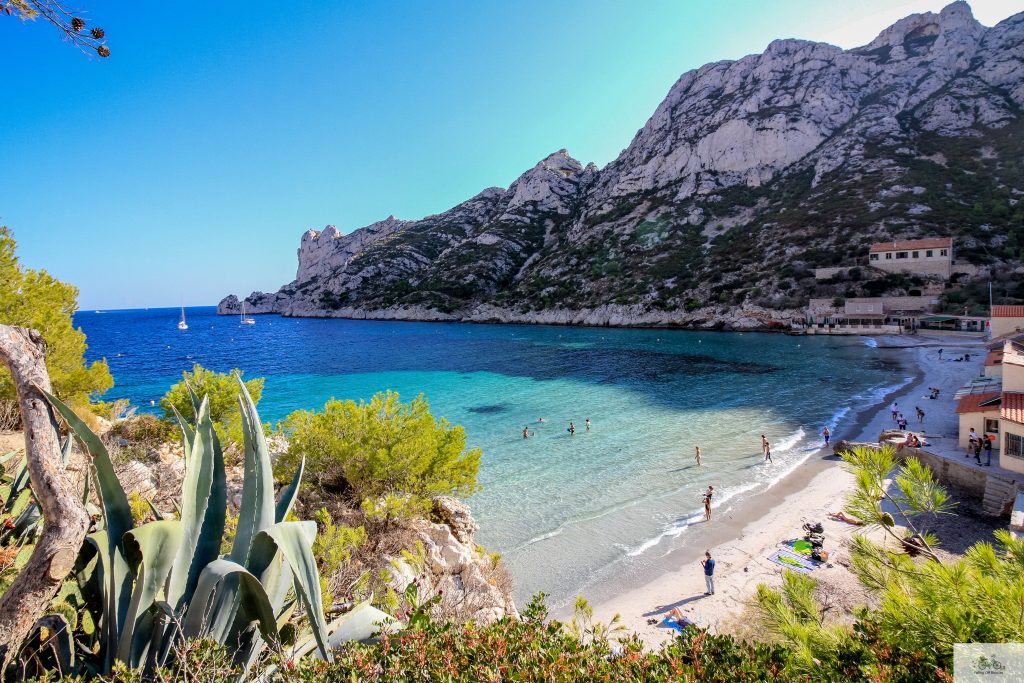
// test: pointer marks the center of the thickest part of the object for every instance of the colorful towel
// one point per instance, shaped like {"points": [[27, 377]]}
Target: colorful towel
{"points": [[801, 547], [792, 561], [681, 627]]}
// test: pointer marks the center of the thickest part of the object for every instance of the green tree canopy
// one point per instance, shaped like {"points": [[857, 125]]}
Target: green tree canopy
{"points": [[382, 447], [222, 391], [36, 299]]}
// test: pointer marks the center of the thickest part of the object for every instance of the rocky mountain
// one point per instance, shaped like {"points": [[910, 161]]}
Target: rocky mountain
{"points": [[750, 174]]}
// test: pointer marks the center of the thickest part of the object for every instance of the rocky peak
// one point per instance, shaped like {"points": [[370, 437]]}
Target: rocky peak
{"points": [[550, 186]]}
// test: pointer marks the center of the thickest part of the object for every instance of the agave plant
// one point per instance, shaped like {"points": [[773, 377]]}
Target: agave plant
{"points": [[158, 583], [21, 503]]}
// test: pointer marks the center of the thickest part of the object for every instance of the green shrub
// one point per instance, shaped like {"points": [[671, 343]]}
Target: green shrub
{"points": [[382, 450], [222, 391]]}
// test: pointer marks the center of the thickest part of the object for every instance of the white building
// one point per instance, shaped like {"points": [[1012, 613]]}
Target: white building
{"points": [[932, 256]]}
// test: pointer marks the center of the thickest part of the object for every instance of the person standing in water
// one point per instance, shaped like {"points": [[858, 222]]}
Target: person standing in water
{"points": [[827, 434], [707, 503], [587, 423], [697, 448], [764, 444], [767, 451], [572, 429], [526, 432]]}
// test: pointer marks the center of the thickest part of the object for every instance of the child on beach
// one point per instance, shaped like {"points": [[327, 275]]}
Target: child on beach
{"points": [[707, 503], [698, 455], [920, 414], [827, 434]]}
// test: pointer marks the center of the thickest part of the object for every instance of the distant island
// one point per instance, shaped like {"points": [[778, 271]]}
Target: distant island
{"points": [[750, 176]]}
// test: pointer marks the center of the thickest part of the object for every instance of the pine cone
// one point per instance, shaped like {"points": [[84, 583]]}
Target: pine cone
{"points": [[103, 51], [77, 24], [98, 33]]}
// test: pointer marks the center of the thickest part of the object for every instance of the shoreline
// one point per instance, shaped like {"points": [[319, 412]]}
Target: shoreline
{"points": [[744, 536]]}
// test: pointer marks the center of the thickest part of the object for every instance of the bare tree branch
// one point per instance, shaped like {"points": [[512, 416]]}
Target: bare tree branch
{"points": [[65, 520]]}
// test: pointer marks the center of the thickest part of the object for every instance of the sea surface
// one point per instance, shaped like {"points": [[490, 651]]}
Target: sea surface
{"points": [[568, 512]]}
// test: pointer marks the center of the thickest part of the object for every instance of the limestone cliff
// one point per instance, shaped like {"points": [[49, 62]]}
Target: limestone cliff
{"points": [[749, 175]]}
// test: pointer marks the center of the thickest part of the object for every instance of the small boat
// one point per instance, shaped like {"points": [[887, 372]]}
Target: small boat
{"points": [[246, 320], [182, 325]]}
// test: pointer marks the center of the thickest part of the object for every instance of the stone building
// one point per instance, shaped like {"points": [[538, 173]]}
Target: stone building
{"points": [[932, 256], [1006, 320]]}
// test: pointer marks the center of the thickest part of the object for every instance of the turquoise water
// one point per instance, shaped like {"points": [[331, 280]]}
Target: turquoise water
{"points": [[567, 512]]}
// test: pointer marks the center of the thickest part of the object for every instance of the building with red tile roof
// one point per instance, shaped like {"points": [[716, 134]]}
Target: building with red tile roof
{"points": [[1006, 320]]}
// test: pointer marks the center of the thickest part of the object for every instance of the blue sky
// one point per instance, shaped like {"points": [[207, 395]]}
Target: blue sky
{"points": [[188, 164]]}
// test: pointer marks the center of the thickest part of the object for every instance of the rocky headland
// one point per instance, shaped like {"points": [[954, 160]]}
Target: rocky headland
{"points": [[749, 175]]}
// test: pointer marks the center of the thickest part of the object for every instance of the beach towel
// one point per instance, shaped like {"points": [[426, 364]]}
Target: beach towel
{"points": [[679, 626], [801, 547], [792, 561]]}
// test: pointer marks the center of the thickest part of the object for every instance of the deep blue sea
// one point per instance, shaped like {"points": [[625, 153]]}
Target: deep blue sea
{"points": [[567, 512]]}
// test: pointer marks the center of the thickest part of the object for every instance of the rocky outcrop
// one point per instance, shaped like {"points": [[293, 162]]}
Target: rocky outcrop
{"points": [[750, 174], [471, 583]]}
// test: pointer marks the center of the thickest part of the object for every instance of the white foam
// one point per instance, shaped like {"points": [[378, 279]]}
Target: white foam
{"points": [[870, 342]]}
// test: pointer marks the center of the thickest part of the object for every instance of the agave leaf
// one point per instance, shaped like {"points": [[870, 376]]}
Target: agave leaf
{"points": [[157, 515], [65, 449], [150, 550], [118, 517], [295, 542], [60, 641], [116, 509], [7, 456], [188, 435], [257, 509], [252, 598], [288, 496], [18, 485], [196, 402], [107, 571], [203, 509]]}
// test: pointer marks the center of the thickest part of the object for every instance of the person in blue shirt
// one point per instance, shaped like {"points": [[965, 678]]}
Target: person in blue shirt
{"points": [[709, 572]]}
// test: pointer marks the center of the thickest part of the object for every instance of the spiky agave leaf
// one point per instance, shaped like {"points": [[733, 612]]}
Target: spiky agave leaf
{"points": [[151, 550]]}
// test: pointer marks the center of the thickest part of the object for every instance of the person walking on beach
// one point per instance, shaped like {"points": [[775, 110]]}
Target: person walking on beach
{"points": [[827, 434], [587, 423], [901, 422], [572, 429], [920, 414], [895, 410], [977, 451], [767, 452], [698, 455], [988, 451], [709, 572], [940, 354], [707, 503], [764, 444]]}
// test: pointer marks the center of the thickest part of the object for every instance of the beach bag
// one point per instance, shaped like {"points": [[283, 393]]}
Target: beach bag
{"points": [[814, 527], [819, 555]]}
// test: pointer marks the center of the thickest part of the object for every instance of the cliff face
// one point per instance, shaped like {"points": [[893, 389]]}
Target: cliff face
{"points": [[750, 174]]}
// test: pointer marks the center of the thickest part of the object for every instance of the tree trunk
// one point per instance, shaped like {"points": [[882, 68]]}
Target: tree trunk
{"points": [[65, 521]]}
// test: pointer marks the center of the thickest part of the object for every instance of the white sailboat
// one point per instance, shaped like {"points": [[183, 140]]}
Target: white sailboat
{"points": [[182, 325], [246, 320]]}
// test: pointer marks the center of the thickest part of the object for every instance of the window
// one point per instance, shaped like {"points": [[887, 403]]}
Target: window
{"points": [[929, 253], [943, 252], [874, 257], [991, 425], [1015, 445], [915, 254], [901, 254], [888, 255]]}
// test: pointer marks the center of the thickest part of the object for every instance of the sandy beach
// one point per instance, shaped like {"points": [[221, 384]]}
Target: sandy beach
{"points": [[742, 538]]}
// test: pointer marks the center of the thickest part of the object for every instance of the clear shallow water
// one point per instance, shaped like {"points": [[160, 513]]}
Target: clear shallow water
{"points": [[566, 511]]}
